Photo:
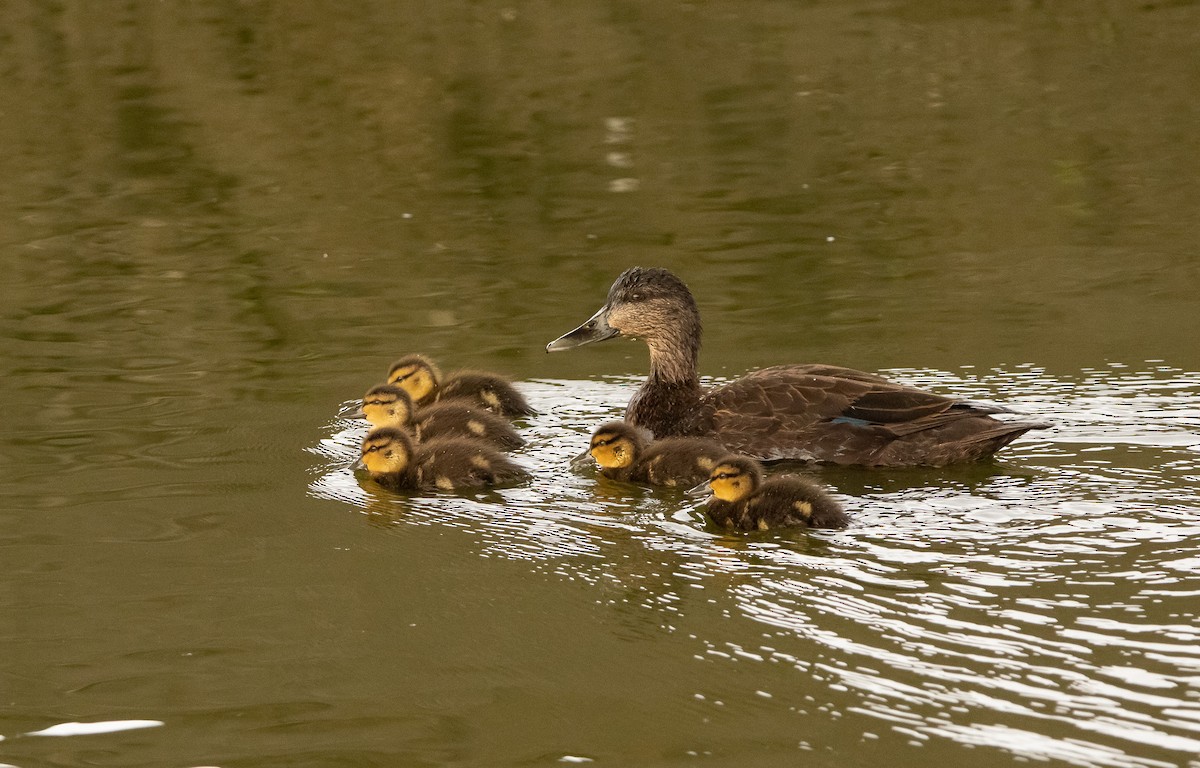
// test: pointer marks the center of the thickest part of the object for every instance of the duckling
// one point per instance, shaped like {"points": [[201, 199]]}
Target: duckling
{"points": [[816, 412], [396, 461], [742, 499], [390, 405], [422, 379], [625, 452]]}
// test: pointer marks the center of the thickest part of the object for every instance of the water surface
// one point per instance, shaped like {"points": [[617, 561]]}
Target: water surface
{"points": [[221, 222]]}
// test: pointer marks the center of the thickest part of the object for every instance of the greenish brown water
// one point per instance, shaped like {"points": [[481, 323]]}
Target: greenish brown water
{"points": [[221, 221]]}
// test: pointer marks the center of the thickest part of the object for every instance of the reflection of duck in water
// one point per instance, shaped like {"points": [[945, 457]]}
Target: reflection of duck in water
{"points": [[625, 452], [389, 405], [446, 464], [803, 412], [744, 500], [423, 381]]}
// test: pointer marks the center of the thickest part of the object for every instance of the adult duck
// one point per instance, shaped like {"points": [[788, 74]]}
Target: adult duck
{"points": [[821, 413]]}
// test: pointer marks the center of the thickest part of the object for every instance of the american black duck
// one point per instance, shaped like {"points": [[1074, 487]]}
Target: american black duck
{"points": [[814, 412]]}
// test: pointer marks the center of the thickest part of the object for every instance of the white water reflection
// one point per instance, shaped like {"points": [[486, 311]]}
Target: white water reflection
{"points": [[1044, 606]]}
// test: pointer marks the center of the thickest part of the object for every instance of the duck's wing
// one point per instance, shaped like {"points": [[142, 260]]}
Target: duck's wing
{"points": [[824, 413]]}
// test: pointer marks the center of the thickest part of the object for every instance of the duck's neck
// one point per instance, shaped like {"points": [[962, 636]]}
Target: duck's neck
{"points": [[668, 403], [675, 352], [672, 363]]}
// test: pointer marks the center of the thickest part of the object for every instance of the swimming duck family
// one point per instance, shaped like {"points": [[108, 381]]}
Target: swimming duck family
{"points": [[396, 461], [743, 499], [390, 405], [625, 452], [425, 383], [804, 412]]}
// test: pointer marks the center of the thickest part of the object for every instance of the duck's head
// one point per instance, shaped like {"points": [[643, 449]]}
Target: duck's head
{"points": [[616, 445], [417, 375], [733, 478], [651, 304], [386, 451], [387, 405]]}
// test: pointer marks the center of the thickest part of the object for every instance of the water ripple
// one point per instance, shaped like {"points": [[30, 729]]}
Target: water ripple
{"points": [[1044, 605]]}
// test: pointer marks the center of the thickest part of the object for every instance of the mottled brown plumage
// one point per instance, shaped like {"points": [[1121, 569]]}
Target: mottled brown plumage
{"points": [[390, 405], [816, 412], [744, 500], [396, 461], [423, 380], [625, 452]]}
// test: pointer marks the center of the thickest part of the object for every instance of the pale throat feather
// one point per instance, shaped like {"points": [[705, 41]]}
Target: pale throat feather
{"points": [[673, 358]]}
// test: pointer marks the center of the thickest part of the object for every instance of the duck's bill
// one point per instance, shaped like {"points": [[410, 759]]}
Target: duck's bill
{"points": [[583, 460], [355, 414], [358, 465], [595, 329], [700, 491]]}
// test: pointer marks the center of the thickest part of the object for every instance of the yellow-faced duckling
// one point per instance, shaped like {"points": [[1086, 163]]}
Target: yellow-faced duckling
{"points": [[396, 461], [625, 452], [742, 499], [801, 412], [389, 405], [423, 380]]}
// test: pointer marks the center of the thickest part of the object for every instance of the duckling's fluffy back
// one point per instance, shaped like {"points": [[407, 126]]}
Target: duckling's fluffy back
{"points": [[491, 391], [449, 463], [456, 418], [678, 461]]}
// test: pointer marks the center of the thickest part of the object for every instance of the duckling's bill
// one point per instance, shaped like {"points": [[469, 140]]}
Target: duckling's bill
{"points": [[595, 329], [700, 491]]}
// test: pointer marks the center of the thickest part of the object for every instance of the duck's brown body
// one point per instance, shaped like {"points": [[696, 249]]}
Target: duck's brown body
{"points": [[825, 414], [820, 413]]}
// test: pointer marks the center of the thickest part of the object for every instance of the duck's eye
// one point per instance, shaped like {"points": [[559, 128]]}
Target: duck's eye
{"points": [[636, 296]]}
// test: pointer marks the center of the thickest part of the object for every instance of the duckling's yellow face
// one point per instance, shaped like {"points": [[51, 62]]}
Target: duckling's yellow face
{"points": [[386, 409], [730, 482], [612, 450], [385, 453], [417, 378]]}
